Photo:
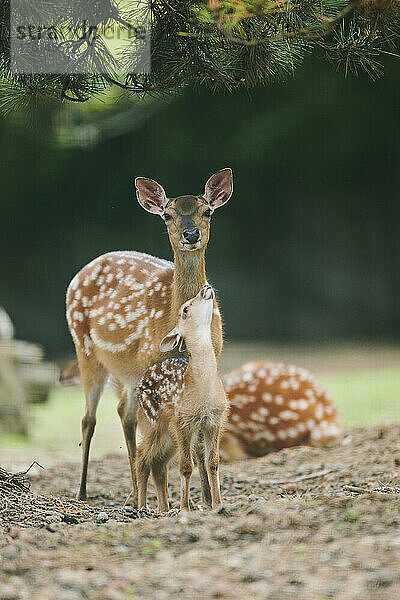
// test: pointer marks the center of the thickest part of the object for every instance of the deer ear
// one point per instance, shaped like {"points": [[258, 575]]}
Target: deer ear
{"points": [[219, 188], [151, 195], [171, 341]]}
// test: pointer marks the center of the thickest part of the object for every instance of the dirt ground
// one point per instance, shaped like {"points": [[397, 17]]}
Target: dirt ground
{"points": [[301, 523]]}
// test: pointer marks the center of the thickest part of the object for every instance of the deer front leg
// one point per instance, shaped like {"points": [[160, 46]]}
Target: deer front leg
{"points": [[185, 466], [205, 485], [93, 379], [211, 439], [127, 409]]}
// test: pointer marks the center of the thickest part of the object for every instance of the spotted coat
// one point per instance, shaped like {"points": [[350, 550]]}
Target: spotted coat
{"points": [[274, 405], [162, 385]]}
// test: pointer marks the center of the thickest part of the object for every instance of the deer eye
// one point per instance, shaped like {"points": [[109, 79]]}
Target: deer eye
{"points": [[167, 217], [207, 213], [185, 310]]}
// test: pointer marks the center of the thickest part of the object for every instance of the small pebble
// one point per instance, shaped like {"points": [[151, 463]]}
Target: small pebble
{"points": [[102, 517]]}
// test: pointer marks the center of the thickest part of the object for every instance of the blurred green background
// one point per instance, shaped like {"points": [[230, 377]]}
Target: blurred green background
{"points": [[306, 250], [305, 256]]}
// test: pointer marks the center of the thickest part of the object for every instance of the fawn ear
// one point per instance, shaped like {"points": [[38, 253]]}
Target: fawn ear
{"points": [[151, 195], [219, 188], [171, 340]]}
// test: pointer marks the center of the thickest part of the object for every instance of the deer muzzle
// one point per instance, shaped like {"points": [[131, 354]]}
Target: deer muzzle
{"points": [[191, 236]]}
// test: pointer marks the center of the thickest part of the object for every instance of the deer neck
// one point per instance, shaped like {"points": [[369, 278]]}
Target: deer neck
{"points": [[189, 277]]}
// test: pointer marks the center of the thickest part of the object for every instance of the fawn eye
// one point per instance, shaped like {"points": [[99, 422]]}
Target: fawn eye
{"points": [[185, 310], [167, 217], [207, 213]]}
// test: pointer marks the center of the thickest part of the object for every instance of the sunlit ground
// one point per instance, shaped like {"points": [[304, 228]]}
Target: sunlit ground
{"points": [[364, 382]]}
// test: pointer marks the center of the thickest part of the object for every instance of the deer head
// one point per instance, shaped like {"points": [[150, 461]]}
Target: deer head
{"points": [[194, 321], [187, 218]]}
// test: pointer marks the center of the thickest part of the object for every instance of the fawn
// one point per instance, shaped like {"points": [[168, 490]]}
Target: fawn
{"points": [[274, 406], [121, 304], [183, 404]]}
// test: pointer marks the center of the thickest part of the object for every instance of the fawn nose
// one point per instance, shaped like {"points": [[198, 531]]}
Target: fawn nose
{"points": [[191, 235], [207, 292]]}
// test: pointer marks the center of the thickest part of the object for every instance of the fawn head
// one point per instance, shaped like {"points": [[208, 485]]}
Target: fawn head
{"points": [[194, 321], [187, 217]]}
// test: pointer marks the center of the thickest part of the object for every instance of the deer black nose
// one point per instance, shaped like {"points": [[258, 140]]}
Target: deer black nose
{"points": [[191, 235]]}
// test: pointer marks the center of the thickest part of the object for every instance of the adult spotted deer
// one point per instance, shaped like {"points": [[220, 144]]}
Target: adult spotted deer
{"points": [[274, 406], [180, 401], [121, 304]]}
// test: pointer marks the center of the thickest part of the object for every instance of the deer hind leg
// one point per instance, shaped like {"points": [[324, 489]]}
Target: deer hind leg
{"points": [[211, 439], [185, 465], [127, 410], [93, 378], [159, 472], [142, 474], [205, 485]]}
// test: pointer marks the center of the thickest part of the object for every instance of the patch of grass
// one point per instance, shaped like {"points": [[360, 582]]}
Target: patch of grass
{"points": [[365, 397], [351, 516], [153, 547], [56, 426]]}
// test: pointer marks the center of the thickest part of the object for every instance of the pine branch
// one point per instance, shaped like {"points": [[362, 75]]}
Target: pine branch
{"points": [[219, 44]]}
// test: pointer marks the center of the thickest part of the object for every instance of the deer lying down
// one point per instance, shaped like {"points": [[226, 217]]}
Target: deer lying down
{"points": [[182, 405], [274, 406]]}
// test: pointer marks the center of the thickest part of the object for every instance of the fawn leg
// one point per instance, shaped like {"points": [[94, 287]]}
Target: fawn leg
{"points": [[93, 378], [142, 475], [159, 472], [127, 409], [211, 438], [185, 465], [200, 457]]}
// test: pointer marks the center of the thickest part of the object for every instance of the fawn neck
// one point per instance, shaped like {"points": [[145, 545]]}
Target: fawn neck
{"points": [[189, 276], [202, 360]]}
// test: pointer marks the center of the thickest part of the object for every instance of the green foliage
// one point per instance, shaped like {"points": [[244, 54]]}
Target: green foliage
{"points": [[220, 44]]}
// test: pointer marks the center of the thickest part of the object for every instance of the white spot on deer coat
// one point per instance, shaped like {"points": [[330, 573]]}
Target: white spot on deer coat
{"points": [[87, 344], [303, 404], [319, 412], [316, 434], [120, 320], [288, 415]]}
